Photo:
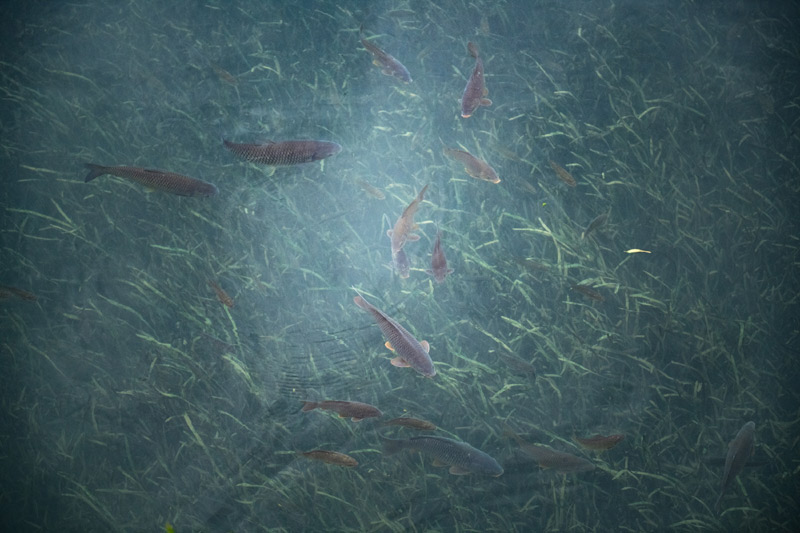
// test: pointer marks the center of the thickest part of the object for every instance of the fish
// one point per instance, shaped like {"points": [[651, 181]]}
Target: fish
{"points": [[356, 411], [410, 352], [284, 152], [401, 264], [588, 292], [459, 456], [739, 451], [7, 292], [413, 423], [223, 74], [473, 166], [389, 65], [159, 180], [438, 269], [561, 462], [401, 233], [600, 443], [371, 190], [637, 251], [332, 458], [222, 296], [522, 367], [563, 175], [598, 222], [475, 92]]}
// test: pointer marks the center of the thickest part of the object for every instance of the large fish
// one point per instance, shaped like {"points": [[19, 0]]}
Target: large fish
{"points": [[438, 269], [356, 411], [739, 451], [477, 168], [401, 233], [410, 352], [459, 456], [388, 64], [284, 152], [156, 179], [475, 92]]}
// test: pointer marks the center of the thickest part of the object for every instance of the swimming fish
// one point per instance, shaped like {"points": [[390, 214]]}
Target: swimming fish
{"points": [[459, 456], [413, 423], [438, 269], [332, 458], [600, 442], [401, 264], [477, 168], [388, 64], [561, 462], [401, 233], [356, 411], [7, 292], [598, 222], [156, 179], [588, 292], [371, 190], [563, 175], [410, 352], [222, 296], [739, 451], [284, 152], [475, 92]]}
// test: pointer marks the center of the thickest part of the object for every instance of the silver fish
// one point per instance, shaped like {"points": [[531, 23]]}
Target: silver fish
{"points": [[739, 451]]}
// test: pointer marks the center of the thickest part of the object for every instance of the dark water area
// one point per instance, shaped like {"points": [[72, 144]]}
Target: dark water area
{"points": [[156, 349]]}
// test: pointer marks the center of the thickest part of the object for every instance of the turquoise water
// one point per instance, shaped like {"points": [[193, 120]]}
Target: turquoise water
{"points": [[133, 398]]}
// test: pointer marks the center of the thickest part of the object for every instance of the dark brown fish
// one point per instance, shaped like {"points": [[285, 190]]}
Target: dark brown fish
{"points": [[588, 292], [563, 175], [561, 462], [438, 269], [388, 64], [475, 167], [475, 92], [413, 423], [156, 179], [410, 352], [332, 458], [600, 443], [7, 292], [739, 451], [459, 456], [598, 222], [284, 152], [401, 233], [401, 264], [222, 296], [224, 75], [356, 411], [522, 367]]}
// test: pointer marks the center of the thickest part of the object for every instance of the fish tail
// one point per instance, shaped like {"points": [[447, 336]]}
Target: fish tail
{"points": [[94, 171], [309, 406], [391, 446]]}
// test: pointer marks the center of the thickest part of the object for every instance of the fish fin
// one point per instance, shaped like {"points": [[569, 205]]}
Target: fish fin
{"points": [[412, 237], [387, 71], [389, 345], [458, 471], [465, 116], [485, 92], [309, 406], [389, 232], [486, 102], [356, 419], [399, 362], [450, 270], [437, 463], [425, 346], [94, 171]]}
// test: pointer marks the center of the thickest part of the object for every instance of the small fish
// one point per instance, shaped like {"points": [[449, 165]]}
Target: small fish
{"points": [[156, 179], [222, 296], [563, 175], [332, 458], [371, 190], [475, 92], [223, 74], [401, 264], [7, 292], [459, 456], [284, 152], [600, 443], [401, 233], [410, 352], [473, 166], [413, 423], [588, 292], [438, 269], [522, 367], [388, 64], [598, 222], [561, 462], [356, 411], [739, 451], [637, 251]]}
